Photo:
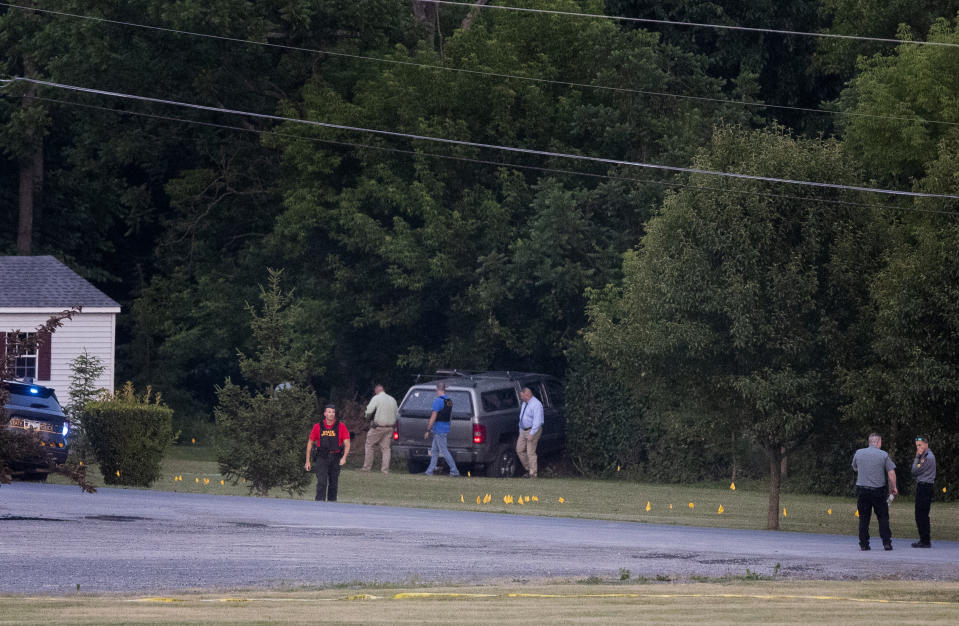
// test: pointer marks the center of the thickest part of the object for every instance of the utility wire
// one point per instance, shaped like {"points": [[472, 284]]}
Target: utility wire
{"points": [[644, 20], [661, 94], [473, 144], [502, 164]]}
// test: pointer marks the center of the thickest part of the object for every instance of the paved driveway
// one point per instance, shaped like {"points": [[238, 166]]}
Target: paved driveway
{"points": [[53, 537]]}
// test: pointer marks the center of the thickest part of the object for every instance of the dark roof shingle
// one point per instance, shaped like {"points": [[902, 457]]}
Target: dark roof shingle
{"points": [[43, 281]]}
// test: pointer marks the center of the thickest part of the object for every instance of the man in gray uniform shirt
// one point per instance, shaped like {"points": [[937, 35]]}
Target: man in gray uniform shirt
{"points": [[924, 469], [874, 466]]}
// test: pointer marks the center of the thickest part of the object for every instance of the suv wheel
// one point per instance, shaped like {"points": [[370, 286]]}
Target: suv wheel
{"points": [[505, 464], [416, 467]]}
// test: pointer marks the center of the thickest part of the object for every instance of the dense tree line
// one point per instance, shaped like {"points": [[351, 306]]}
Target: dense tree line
{"points": [[720, 318]]}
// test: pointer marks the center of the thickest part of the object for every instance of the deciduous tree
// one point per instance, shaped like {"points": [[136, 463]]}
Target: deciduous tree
{"points": [[739, 305]]}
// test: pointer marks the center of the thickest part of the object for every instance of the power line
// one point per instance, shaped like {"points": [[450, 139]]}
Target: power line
{"points": [[644, 20], [645, 92], [548, 170], [474, 144]]}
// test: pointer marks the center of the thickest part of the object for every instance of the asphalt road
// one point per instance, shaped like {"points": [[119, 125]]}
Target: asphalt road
{"points": [[53, 537]]}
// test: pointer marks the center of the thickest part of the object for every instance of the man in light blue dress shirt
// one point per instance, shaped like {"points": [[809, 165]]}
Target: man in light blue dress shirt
{"points": [[530, 429]]}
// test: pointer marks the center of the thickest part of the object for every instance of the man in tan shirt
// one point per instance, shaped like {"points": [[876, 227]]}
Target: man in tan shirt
{"points": [[382, 410]]}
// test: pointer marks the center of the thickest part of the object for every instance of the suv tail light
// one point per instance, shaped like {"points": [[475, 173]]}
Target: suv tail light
{"points": [[396, 431], [479, 433]]}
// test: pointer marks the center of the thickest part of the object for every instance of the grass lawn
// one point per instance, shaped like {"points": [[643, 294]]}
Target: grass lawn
{"points": [[621, 500], [713, 602]]}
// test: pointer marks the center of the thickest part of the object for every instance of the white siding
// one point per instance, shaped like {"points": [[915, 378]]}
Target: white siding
{"points": [[93, 332]]}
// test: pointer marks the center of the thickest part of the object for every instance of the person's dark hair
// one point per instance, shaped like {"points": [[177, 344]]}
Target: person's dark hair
{"points": [[874, 438], [922, 438], [330, 406], [441, 386]]}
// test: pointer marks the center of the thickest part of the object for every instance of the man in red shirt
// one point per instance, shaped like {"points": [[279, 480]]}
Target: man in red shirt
{"points": [[332, 441]]}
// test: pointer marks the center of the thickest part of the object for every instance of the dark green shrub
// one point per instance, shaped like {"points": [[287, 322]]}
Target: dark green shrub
{"points": [[610, 428], [128, 435], [603, 422]]}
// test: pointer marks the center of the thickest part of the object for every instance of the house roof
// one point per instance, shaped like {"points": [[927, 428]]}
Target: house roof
{"points": [[43, 281]]}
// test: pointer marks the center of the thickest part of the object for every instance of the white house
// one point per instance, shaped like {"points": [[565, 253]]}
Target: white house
{"points": [[32, 288]]}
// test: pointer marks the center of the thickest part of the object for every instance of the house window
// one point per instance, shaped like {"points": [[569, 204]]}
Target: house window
{"points": [[25, 365]]}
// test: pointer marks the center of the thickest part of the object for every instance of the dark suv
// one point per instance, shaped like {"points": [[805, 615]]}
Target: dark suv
{"points": [[35, 408], [485, 420]]}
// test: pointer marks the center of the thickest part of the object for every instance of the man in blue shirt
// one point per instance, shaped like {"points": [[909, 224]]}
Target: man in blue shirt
{"points": [[530, 429], [440, 427]]}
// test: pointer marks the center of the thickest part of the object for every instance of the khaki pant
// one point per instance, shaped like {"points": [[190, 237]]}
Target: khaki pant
{"points": [[382, 437], [526, 450]]}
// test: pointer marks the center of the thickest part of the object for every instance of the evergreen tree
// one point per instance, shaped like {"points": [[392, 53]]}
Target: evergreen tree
{"points": [[85, 370], [261, 429]]}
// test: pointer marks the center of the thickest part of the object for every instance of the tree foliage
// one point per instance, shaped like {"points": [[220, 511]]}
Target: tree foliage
{"points": [[409, 254], [440, 260], [738, 306], [906, 107]]}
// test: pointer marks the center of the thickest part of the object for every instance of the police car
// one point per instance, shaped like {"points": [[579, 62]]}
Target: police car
{"points": [[35, 408]]}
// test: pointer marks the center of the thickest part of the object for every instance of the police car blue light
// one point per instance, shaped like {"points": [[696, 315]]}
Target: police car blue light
{"points": [[66, 428], [34, 390]]}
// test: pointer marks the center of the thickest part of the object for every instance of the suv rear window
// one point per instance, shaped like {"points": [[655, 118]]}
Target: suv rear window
{"points": [[421, 401], [499, 399], [556, 393]]}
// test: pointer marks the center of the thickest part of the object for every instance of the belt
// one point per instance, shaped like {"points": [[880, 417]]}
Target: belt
{"points": [[525, 429], [922, 483]]}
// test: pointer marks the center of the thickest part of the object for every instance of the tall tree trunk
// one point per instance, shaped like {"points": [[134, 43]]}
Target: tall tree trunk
{"points": [[474, 11], [775, 483], [735, 458], [426, 13], [31, 182], [31, 178]]}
